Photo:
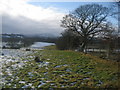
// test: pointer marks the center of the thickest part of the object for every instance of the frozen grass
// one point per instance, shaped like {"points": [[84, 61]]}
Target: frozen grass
{"points": [[11, 61], [63, 69]]}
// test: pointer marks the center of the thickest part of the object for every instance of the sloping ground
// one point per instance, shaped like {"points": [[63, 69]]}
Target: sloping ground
{"points": [[66, 69]]}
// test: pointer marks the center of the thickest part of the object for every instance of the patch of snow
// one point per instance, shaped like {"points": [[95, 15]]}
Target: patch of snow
{"points": [[42, 83], [22, 82]]}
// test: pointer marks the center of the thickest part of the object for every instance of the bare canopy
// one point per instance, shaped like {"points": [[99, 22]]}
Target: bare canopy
{"points": [[86, 21]]}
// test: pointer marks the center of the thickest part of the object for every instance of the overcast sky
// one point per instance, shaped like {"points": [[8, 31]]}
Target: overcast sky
{"points": [[33, 17]]}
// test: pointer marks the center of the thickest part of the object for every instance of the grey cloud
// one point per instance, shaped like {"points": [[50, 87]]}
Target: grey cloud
{"points": [[26, 26]]}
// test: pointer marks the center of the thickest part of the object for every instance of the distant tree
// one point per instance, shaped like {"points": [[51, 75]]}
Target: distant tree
{"points": [[28, 41], [116, 10], [68, 41], [12, 41], [86, 21], [110, 36]]}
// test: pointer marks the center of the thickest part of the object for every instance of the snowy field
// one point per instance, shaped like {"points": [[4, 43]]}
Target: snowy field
{"points": [[13, 59]]}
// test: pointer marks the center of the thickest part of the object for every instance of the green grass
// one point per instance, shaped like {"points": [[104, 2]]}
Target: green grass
{"points": [[68, 69]]}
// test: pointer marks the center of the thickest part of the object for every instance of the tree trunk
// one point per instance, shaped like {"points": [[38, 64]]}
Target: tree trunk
{"points": [[83, 46]]}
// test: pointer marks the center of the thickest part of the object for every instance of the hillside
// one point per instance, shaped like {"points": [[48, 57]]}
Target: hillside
{"points": [[65, 69]]}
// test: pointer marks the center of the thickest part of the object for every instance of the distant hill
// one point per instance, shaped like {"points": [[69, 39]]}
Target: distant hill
{"points": [[19, 40], [12, 36]]}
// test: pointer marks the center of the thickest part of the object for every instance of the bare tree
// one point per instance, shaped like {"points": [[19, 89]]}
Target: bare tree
{"points": [[110, 36], [86, 21], [115, 10]]}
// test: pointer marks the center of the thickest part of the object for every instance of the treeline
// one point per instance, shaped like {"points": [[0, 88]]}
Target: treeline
{"points": [[70, 41]]}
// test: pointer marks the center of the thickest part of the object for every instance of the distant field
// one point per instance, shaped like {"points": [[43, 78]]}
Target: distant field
{"points": [[66, 69]]}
